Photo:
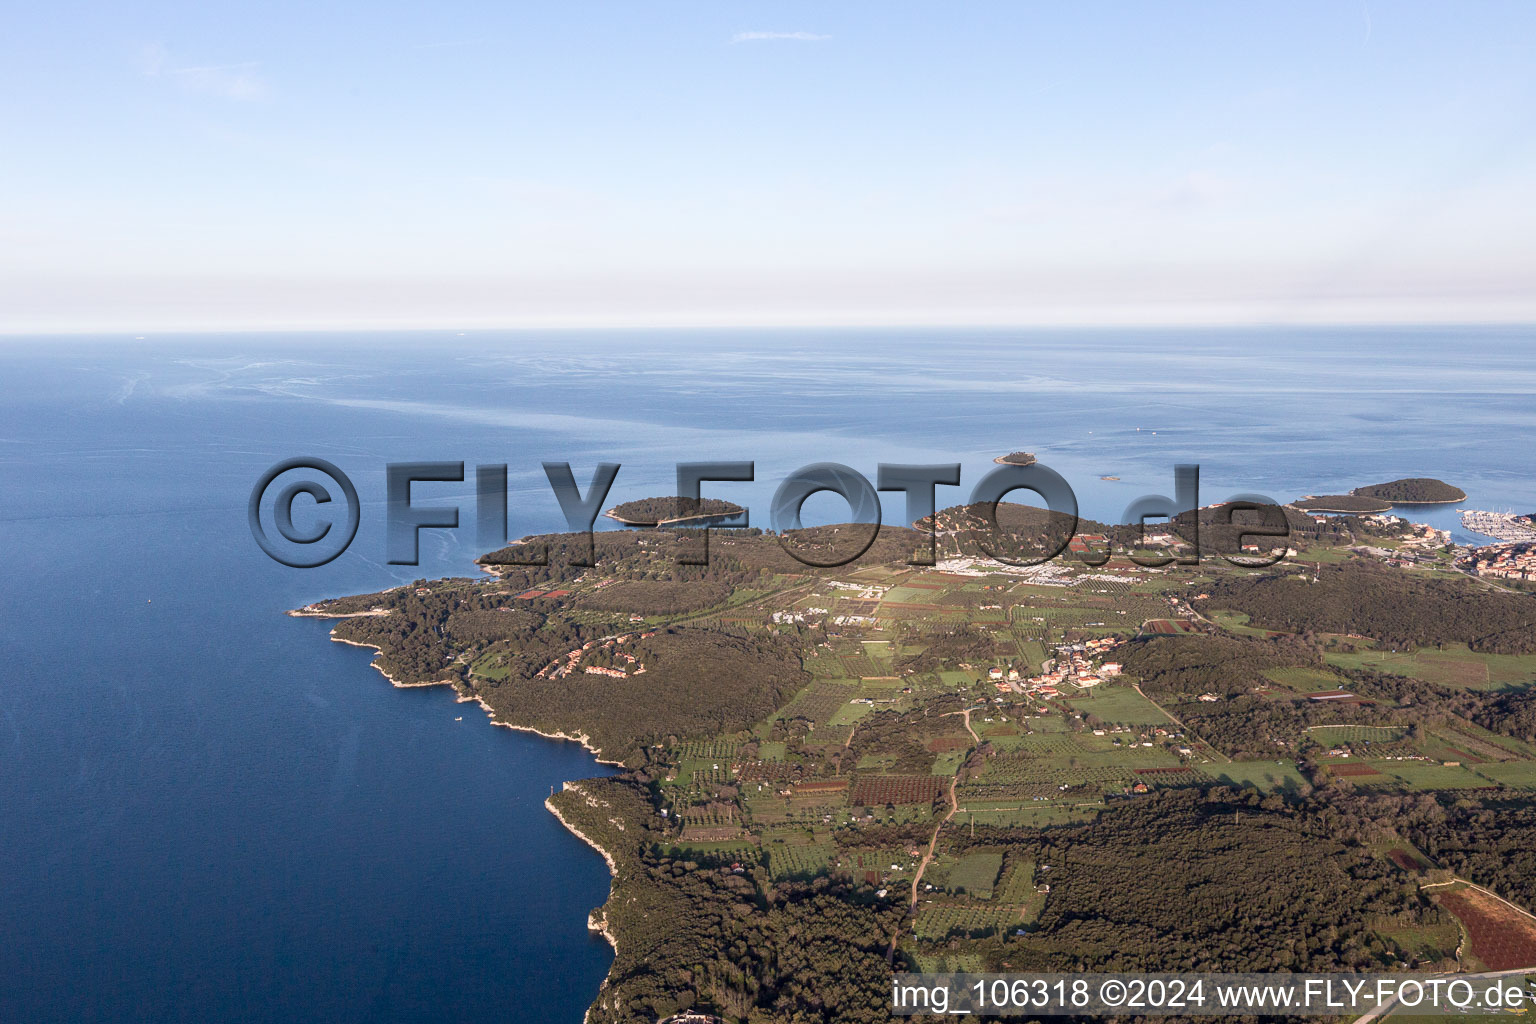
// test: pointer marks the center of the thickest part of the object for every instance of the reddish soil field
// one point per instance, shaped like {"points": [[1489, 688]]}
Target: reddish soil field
{"points": [[1405, 860], [1502, 938], [895, 789], [1168, 627], [1350, 771], [945, 744]]}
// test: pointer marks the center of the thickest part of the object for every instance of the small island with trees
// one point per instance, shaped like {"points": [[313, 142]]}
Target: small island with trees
{"points": [[670, 511], [1413, 490], [1341, 503], [1016, 459]]}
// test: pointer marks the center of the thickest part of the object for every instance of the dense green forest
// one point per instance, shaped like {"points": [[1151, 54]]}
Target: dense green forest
{"points": [[1258, 885], [697, 682], [1412, 489], [658, 597], [1492, 841], [1397, 609], [660, 510], [1342, 503], [694, 933]]}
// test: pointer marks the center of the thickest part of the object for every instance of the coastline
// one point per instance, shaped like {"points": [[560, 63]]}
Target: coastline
{"points": [[1320, 510], [674, 521], [465, 698], [597, 921], [306, 613]]}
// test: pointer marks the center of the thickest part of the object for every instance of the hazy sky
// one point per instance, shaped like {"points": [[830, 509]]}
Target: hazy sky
{"points": [[180, 164]]}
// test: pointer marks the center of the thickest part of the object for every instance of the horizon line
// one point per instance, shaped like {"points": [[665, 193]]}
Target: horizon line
{"points": [[325, 327]]}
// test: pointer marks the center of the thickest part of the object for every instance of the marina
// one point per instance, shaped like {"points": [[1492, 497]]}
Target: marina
{"points": [[1505, 526]]}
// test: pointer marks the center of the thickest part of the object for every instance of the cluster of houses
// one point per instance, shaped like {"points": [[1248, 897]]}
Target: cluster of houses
{"points": [[1045, 574], [562, 667], [1072, 666], [1422, 534], [866, 591], [1514, 562], [804, 615]]}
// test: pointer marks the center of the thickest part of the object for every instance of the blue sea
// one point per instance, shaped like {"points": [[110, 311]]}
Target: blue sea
{"points": [[209, 812]]}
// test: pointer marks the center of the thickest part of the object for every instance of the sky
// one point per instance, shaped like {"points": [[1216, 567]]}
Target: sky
{"points": [[216, 166]]}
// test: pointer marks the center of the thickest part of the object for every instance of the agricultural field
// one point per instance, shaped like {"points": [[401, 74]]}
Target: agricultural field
{"points": [[879, 790], [1237, 622], [1337, 735], [946, 961], [910, 595], [1169, 777], [1042, 763], [1425, 944], [709, 750], [824, 665], [1515, 774], [819, 701], [1409, 776], [948, 763], [848, 713], [1406, 856], [1019, 891], [1358, 773], [798, 859], [1118, 704], [936, 921], [876, 865], [1499, 936], [1454, 666], [1302, 679], [1423, 775], [492, 665], [1035, 814], [1269, 776], [975, 874], [743, 848], [1488, 746], [1168, 627]]}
